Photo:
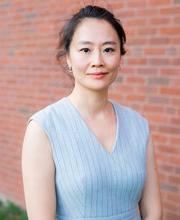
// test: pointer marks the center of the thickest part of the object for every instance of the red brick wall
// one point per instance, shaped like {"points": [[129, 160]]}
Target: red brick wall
{"points": [[30, 78]]}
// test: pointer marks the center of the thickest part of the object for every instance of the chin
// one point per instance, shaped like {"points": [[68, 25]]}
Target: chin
{"points": [[97, 86]]}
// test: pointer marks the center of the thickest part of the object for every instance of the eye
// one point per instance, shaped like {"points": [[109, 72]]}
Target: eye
{"points": [[85, 50], [109, 50]]}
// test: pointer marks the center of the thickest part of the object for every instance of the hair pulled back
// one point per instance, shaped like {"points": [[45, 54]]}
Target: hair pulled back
{"points": [[67, 32]]}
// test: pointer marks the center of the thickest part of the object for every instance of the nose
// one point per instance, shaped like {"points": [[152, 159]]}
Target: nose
{"points": [[97, 59]]}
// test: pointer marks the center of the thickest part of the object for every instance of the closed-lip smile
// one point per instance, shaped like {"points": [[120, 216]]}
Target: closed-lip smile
{"points": [[98, 73]]}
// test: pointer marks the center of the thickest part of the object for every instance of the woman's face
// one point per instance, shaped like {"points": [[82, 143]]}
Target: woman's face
{"points": [[94, 54]]}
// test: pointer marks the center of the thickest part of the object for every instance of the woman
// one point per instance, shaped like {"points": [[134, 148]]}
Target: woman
{"points": [[86, 156]]}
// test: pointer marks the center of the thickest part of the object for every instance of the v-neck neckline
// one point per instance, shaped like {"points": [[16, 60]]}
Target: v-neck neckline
{"points": [[114, 145]]}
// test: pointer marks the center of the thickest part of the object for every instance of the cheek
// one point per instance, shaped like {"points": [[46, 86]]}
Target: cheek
{"points": [[113, 64], [78, 62]]}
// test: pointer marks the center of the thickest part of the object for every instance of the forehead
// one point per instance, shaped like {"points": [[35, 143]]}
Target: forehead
{"points": [[94, 30]]}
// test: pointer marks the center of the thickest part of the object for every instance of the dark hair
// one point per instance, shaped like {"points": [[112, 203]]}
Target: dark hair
{"points": [[67, 32]]}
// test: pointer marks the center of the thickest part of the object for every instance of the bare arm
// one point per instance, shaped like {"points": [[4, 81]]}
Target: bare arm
{"points": [[151, 204], [38, 174]]}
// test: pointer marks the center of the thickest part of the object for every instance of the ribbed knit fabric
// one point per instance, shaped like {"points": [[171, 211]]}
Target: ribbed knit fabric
{"points": [[92, 183]]}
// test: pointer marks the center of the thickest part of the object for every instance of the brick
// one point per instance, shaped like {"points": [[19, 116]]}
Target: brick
{"points": [[159, 21], [175, 83], [5, 5], [162, 40], [169, 130], [170, 10], [130, 31], [154, 108], [147, 31], [135, 61], [157, 118], [176, 1], [166, 168], [158, 61], [158, 81], [159, 138], [175, 140], [159, 2], [175, 121], [169, 72], [147, 70], [169, 149], [136, 22], [174, 180], [136, 51], [147, 12], [146, 89], [174, 160], [127, 70], [162, 177], [177, 170], [135, 97], [175, 61], [135, 79], [154, 51], [30, 15], [171, 51], [126, 13], [171, 111], [158, 99], [168, 187], [170, 31], [161, 158], [176, 20], [126, 89], [135, 3], [175, 40], [173, 197], [118, 5], [169, 206], [135, 41], [170, 91]]}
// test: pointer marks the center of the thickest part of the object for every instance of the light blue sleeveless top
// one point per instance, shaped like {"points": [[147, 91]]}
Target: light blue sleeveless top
{"points": [[91, 183]]}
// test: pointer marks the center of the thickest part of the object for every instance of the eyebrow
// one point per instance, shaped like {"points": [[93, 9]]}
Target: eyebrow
{"points": [[89, 42]]}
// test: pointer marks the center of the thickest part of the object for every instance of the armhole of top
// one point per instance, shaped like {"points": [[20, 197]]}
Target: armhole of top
{"points": [[44, 129], [148, 133], [148, 129]]}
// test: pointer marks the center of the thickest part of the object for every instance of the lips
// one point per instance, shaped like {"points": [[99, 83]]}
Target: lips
{"points": [[98, 73]]}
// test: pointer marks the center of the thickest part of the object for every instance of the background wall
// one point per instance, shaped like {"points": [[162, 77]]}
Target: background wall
{"points": [[30, 79]]}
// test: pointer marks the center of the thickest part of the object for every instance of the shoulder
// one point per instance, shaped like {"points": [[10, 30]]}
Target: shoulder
{"points": [[131, 116], [40, 125], [129, 110], [45, 114]]}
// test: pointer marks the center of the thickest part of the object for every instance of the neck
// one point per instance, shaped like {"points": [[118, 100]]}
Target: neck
{"points": [[90, 102]]}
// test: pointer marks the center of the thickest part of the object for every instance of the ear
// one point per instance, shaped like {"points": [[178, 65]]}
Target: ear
{"points": [[120, 64], [121, 61], [68, 60]]}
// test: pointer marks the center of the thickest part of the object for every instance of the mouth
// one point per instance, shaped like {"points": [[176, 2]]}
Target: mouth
{"points": [[98, 73]]}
